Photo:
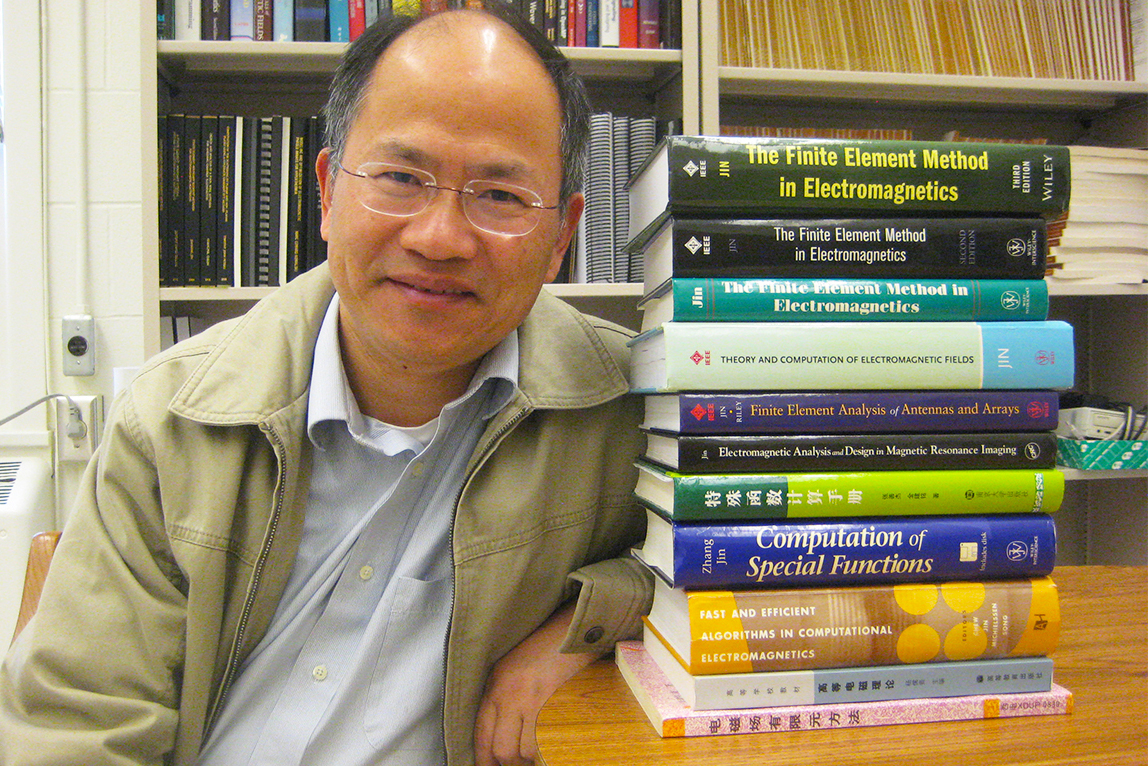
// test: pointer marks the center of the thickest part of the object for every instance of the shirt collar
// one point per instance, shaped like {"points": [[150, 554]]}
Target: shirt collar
{"points": [[331, 400]]}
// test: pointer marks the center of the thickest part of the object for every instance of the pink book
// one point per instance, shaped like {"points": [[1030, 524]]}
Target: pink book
{"points": [[672, 717]]}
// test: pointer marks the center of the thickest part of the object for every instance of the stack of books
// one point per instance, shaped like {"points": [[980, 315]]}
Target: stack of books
{"points": [[851, 390]]}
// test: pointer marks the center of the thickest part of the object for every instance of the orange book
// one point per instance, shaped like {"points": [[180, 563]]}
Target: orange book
{"points": [[885, 624]]}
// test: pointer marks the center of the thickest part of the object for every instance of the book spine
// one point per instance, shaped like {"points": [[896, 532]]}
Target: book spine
{"points": [[868, 683], [915, 623], [649, 24], [264, 20], [735, 356], [216, 19], [283, 26], [734, 496], [863, 452], [863, 412], [935, 247], [225, 234], [190, 257], [209, 199], [767, 174], [842, 300], [339, 21], [905, 549], [671, 718], [242, 19], [310, 20]]}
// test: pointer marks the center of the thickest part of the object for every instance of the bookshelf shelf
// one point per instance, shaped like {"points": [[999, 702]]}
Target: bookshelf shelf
{"points": [[930, 89]]}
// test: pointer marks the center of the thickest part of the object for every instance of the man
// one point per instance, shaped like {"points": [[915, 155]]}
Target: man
{"points": [[362, 528]]}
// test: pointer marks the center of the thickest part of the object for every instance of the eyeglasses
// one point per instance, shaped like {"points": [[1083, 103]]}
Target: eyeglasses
{"points": [[492, 206]]}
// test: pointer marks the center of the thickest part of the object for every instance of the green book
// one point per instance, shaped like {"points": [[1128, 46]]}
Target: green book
{"points": [[837, 300], [746, 496], [762, 176]]}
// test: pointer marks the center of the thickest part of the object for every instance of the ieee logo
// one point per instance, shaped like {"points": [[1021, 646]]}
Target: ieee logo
{"points": [[694, 168], [701, 358], [693, 244], [703, 412]]}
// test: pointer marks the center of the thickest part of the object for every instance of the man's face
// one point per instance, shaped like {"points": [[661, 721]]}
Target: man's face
{"points": [[431, 292]]}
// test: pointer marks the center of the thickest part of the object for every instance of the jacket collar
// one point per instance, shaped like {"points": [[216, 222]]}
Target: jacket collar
{"points": [[260, 364]]}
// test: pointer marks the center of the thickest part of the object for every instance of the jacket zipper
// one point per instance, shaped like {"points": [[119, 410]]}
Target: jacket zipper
{"points": [[256, 577], [494, 440]]}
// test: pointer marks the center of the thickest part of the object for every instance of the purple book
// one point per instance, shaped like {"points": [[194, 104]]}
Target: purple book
{"points": [[853, 412]]}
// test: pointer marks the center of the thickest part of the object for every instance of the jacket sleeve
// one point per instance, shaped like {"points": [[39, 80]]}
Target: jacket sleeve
{"points": [[613, 597], [93, 678]]}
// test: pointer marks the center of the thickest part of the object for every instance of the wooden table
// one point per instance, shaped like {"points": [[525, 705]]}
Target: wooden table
{"points": [[1102, 657]]}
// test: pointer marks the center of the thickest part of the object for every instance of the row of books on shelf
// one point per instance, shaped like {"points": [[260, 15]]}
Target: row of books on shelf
{"points": [[1064, 39], [849, 476], [573, 23], [239, 202]]}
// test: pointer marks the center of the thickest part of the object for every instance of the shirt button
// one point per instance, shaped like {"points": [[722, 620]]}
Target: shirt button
{"points": [[417, 469], [366, 572], [319, 673], [594, 635]]}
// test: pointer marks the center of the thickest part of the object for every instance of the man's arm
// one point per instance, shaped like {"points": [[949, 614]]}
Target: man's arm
{"points": [[518, 686], [613, 595]]}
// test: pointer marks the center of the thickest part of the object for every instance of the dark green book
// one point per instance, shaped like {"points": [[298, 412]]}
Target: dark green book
{"points": [[710, 175]]}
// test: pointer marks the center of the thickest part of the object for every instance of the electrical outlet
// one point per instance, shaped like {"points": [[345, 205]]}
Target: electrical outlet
{"points": [[79, 338], [81, 447]]}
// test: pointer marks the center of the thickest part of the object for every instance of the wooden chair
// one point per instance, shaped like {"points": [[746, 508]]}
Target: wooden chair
{"points": [[39, 557]]}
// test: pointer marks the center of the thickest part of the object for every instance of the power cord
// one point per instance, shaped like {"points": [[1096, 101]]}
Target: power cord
{"points": [[76, 429]]}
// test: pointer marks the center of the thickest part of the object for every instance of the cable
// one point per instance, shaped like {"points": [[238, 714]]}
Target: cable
{"points": [[76, 428]]}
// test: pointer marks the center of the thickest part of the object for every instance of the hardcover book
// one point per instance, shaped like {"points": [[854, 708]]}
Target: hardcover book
{"points": [[865, 248], [738, 356], [866, 683], [753, 631], [753, 496], [860, 551], [844, 300], [671, 717], [730, 454], [749, 177], [841, 412]]}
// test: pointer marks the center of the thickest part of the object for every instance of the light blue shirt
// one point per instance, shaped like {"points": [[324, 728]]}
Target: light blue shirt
{"points": [[352, 668]]}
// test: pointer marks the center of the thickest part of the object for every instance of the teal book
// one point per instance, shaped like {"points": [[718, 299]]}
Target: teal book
{"points": [[814, 356], [844, 300]]}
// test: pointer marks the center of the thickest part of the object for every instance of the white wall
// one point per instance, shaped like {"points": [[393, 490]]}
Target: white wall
{"points": [[97, 272]]}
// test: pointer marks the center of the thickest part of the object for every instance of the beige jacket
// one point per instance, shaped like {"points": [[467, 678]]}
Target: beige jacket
{"points": [[187, 522]]}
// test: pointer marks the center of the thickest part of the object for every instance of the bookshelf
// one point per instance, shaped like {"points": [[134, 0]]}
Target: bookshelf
{"points": [[1105, 518]]}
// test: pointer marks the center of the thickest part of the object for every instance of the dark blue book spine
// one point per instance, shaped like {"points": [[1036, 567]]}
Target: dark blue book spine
{"points": [[856, 412], [903, 549]]}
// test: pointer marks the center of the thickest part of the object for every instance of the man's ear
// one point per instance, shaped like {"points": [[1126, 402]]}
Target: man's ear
{"points": [[326, 185], [570, 218]]}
